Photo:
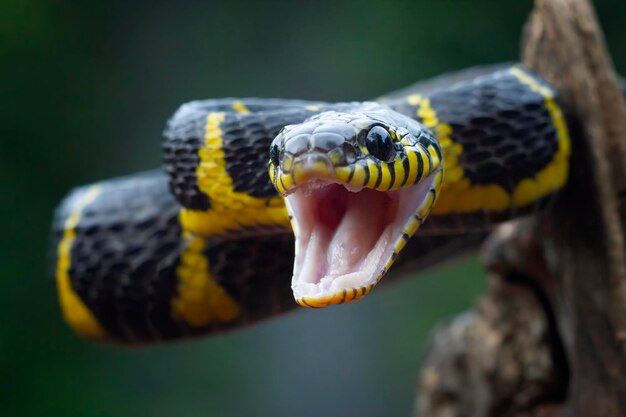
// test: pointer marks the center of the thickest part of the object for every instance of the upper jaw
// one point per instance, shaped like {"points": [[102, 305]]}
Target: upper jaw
{"points": [[307, 170], [347, 237]]}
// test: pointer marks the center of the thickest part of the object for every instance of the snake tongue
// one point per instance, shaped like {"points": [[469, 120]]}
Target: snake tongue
{"points": [[344, 238]]}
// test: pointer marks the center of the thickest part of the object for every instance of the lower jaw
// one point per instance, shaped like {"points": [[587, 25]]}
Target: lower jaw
{"points": [[344, 296]]}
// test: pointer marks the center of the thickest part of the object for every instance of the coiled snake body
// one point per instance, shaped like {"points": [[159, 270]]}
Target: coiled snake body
{"points": [[208, 245]]}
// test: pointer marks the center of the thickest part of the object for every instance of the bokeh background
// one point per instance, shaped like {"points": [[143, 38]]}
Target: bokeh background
{"points": [[86, 88]]}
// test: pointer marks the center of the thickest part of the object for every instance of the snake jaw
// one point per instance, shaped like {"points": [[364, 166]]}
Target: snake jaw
{"points": [[348, 237], [357, 185]]}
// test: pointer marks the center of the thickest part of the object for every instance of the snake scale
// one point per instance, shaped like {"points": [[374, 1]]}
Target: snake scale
{"points": [[207, 244]]}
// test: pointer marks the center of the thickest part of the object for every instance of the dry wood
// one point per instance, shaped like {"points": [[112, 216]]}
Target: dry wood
{"points": [[564, 273]]}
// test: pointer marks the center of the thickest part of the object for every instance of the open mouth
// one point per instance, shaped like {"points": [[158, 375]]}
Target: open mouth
{"points": [[347, 237]]}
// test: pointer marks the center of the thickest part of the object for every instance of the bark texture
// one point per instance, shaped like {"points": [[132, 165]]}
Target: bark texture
{"points": [[549, 337]]}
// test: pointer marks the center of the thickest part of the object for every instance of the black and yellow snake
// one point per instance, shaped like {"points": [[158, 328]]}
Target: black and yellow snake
{"points": [[208, 245]]}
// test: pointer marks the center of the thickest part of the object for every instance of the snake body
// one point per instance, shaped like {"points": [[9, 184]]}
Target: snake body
{"points": [[208, 246]]}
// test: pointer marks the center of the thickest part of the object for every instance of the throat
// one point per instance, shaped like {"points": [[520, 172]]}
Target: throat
{"points": [[331, 206]]}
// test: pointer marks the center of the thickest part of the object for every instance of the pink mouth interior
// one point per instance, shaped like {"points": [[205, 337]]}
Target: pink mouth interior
{"points": [[345, 238], [348, 226]]}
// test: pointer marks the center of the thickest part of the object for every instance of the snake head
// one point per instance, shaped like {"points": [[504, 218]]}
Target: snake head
{"points": [[358, 181]]}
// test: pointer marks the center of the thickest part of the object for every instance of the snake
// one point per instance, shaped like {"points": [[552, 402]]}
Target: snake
{"points": [[255, 194]]}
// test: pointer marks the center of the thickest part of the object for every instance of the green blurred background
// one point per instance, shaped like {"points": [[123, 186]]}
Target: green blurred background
{"points": [[86, 88]]}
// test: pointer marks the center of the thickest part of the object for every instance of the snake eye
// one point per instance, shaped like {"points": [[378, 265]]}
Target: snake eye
{"points": [[379, 143], [274, 154]]}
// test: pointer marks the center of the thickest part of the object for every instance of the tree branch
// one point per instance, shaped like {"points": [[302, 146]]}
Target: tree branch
{"points": [[561, 274]]}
